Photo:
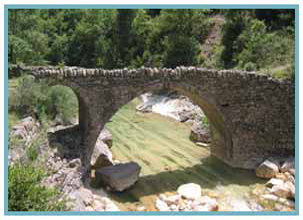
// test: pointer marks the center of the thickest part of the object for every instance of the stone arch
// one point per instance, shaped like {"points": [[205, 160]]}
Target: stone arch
{"points": [[253, 113], [222, 144]]}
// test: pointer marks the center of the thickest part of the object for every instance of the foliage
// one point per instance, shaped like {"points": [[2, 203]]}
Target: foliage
{"points": [[32, 98], [254, 42], [205, 123], [25, 192], [252, 39], [32, 150]]}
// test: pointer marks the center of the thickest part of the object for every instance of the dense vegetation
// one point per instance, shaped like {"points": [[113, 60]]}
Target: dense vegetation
{"points": [[25, 192], [27, 97], [250, 39], [254, 40]]}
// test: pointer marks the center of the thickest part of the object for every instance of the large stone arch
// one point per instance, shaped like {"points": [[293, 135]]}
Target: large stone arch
{"points": [[253, 114]]}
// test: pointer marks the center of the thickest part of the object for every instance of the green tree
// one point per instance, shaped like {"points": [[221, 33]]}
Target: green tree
{"points": [[124, 36]]}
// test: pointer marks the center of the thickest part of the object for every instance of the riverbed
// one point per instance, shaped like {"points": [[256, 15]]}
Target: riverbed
{"points": [[161, 146]]}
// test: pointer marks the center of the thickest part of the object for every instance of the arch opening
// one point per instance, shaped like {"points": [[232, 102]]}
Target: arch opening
{"points": [[168, 158], [66, 134]]}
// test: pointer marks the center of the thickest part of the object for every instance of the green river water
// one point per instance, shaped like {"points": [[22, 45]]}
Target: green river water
{"points": [[161, 146]]}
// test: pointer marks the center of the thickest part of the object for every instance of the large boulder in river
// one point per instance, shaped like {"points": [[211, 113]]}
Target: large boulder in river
{"points": [[118, 177], [268, 169], [198, 133]]}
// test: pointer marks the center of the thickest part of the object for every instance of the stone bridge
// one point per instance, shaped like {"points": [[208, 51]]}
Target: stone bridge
{"points": [[252, 116]]}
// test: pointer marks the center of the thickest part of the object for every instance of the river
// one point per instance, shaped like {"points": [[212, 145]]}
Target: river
{"points": [[161, 146]]}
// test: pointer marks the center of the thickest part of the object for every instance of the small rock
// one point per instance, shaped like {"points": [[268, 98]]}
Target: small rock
{"points": [[74, 163], [272, 182], [98, 206], [287, 202], [162, 197], [268, 169], [201, 208], [172, 200], [291, 188], [198, 133], [290, 177], [86, 195], [209, 203], [141, 208], [106, 137], [281, 190], [292, 172], [281, 176], [173, 207], [89, 208], [101, 156], [288, 164], [161, 205], [189, 191], [270, 197]]}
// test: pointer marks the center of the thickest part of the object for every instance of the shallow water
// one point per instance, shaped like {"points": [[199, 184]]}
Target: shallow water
{"points": [[161, 146]]}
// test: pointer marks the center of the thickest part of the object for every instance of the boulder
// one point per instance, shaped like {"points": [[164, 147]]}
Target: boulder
{"points": [[106, 137], [101, 156], [268, 169], [288, 164], [205, 203], [282, 190], [272, 182], [189, 191], [118, 177], [198, 133]]}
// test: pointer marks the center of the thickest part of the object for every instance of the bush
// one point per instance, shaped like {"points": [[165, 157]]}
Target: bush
{"points": [[25, 192], [31, 98], [250, 66], [253, 44], [32, 149]]}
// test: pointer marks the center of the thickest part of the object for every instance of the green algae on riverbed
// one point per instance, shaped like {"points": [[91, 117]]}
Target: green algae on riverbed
{"points": [[161, 146]]}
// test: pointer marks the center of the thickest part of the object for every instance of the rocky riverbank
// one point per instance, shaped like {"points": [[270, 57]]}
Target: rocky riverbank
{"points": [[180, 108], [64, 174]]}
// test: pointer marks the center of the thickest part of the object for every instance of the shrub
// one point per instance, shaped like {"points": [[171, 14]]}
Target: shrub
{"points": [[25, 192], [31, 98], [205, 123], [250, 66]]}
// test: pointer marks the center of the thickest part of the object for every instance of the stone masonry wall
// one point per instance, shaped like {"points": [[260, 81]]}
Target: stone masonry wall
{"points": [[252, 116]]}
